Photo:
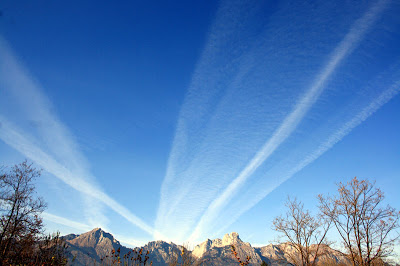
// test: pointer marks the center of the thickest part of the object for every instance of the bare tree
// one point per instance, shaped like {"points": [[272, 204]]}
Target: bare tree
{"points": [[51, 250], [304, 232], [368, 231], [20, 209]]}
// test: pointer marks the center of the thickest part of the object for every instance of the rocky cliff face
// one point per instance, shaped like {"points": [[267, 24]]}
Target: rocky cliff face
{"points": [[162, 252], [218, 251], [227, 240], [91, 247], [97, 246]]}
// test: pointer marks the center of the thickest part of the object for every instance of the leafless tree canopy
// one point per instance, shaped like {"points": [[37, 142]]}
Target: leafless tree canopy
{"points": [[303, 232], [367, 229], [21, 229]]}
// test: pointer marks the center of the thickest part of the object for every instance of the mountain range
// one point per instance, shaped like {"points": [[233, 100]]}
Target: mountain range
{"points": [[99, 247]]}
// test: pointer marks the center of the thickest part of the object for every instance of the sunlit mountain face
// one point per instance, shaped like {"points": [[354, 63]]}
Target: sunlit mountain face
{"points": [[184, 121]]}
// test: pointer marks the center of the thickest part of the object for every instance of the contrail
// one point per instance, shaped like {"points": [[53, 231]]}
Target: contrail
{"points": [[16, 140], [212, 77], [85, 228], [289, 124], [334, 138], [67, 222], [53, 147]]}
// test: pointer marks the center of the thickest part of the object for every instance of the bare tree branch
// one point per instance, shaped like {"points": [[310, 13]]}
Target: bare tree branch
{"points": [[368, 231], [304, 232]]}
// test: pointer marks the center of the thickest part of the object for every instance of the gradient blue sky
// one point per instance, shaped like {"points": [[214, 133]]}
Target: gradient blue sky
{"points": [[184, 120]]}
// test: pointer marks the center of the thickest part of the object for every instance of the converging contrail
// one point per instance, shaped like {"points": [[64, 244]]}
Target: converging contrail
{"points": [[80, 227], [264, 189], [67, 222], [257, 95], [17, 141], [289, 124], [58, 152]]}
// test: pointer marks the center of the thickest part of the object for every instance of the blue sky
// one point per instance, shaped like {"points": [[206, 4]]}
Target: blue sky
{"points": [[184, 120]]}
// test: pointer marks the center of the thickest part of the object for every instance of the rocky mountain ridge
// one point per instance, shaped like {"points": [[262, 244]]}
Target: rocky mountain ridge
{"points": [[96, 246]]}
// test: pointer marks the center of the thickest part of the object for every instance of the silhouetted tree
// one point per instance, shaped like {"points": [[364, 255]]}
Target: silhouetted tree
{"points": [[304, 232], [21, 227], [20, 223], [368, 230]]}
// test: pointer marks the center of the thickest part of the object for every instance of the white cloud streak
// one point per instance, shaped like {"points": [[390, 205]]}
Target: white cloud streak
{"points": [[290, 123], [221, 67], [252, 86], [67, 222], [85, 228], [334, 138], [53, 147], [16, 140], [130, 242]]}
